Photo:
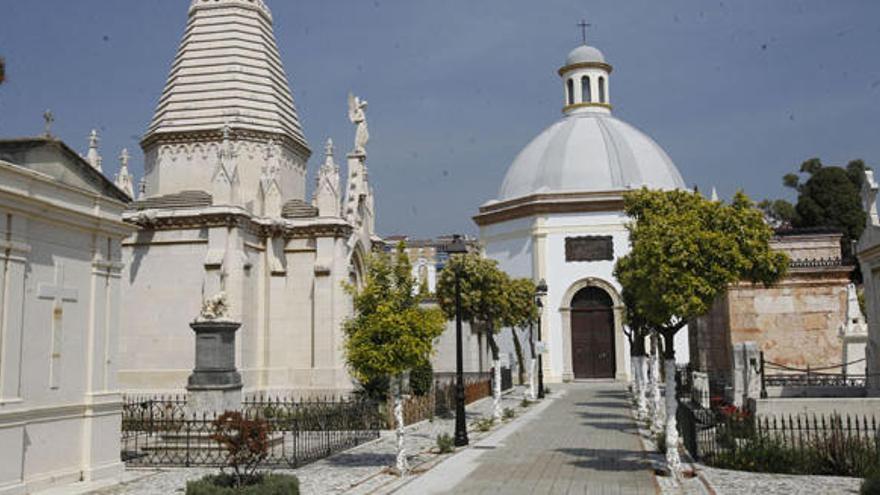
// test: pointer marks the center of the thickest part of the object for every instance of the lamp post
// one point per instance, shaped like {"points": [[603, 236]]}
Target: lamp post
{"points": [[461, 439], [540, 292]]}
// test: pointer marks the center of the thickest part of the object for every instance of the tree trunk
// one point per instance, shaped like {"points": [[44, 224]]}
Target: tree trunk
{"points": [[496, 383], [402, 465], [640, 375], [517, 347], [673, 460], [657, 398]]}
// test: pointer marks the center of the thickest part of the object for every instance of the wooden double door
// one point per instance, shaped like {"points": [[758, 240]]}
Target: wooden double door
{"points": [[592, 336]]}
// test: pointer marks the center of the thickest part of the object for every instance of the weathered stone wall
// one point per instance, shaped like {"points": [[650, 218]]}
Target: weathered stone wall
{"points": [[794, 322]]}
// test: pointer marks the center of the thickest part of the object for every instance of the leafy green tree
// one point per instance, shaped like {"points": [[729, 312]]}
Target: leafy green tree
{"points": [[390, 333], [686, 251], [829, 197], [522, 312], [484, 303]]}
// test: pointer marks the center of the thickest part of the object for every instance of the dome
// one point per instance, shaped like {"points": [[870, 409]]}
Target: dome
{"points": [[584, 54], [589, 151]]}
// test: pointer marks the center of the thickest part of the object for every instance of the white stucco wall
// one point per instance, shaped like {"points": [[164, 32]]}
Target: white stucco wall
{"points": [[534, 247], [60, 408]]}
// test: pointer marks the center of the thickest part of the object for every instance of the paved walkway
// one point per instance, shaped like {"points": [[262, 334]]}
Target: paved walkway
{"points": [[585, 442]]}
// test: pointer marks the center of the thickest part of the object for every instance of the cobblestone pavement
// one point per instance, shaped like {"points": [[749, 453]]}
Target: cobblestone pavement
{"points": [[584, 442], [355, 471]]}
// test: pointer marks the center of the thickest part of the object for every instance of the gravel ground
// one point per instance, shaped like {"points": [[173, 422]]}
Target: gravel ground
{"points": [[362, 469], [726, 482]]}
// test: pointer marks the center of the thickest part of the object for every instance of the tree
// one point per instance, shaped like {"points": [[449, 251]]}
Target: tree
{"points": [[522, 312], [390, 333], [830, 197], [484, 303], [686, 251]]}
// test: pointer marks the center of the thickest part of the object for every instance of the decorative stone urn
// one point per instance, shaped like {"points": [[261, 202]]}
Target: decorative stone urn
{"points": [[214, 385]]}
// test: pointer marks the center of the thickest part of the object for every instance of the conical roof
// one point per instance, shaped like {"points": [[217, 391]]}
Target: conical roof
{"points": [[227, 72]]}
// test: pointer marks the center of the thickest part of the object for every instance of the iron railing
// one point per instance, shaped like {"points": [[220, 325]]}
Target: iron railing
{"points": [[162, 432]]}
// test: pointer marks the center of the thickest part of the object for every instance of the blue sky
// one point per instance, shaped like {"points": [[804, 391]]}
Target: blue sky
{"points": [[737, 92]]}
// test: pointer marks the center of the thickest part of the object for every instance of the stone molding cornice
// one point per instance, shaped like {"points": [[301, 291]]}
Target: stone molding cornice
{"points": [[234, 217], [575, 106], [216, 135], [40, 196], [546, 203], [19, 414], [586, 65]]}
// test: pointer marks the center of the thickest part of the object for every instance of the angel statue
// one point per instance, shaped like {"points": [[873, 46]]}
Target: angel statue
{"points": [[357, 115]]}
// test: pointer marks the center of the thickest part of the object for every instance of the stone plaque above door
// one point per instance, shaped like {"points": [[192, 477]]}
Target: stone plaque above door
{"points": [[589, 248]]}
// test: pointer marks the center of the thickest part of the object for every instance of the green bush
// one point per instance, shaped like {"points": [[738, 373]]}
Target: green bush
{"points": [[508, 413], [871, 485], [485, 424], [421, 378], [222, 484], [445, 443], [525, 403]]}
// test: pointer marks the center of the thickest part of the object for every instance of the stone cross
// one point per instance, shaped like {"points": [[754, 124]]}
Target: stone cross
{"points": [[48, 117], [59, 294]]}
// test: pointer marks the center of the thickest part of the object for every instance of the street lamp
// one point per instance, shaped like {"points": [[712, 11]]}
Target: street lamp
{"points": [[540, 292], [461, 439]]}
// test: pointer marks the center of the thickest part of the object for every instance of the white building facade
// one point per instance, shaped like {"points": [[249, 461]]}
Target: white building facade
{"points": [[224, 209], [559, 217], [60, 264]]}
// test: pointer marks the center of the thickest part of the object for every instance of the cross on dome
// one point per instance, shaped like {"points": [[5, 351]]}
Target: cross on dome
{"points": [[584, 25]]}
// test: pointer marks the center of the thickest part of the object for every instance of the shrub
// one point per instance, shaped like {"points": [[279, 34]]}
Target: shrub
{"points": [[445, 443], [508, 413], [525, 403], [246, 442], [485, 424], [421, 378], [871, 485], [224, 484]]}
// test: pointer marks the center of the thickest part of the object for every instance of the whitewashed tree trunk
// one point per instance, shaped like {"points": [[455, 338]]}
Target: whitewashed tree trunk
{"points": [[496, 390], [673, 460], [640, 381], [402, 465], [657, 398], [533, 379]]}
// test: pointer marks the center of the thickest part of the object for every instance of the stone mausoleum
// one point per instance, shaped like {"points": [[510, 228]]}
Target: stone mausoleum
{"points": [[223, 209], [559, 216]]}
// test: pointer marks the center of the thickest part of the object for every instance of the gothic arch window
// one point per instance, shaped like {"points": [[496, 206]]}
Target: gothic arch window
{"points": [[586, 94], [601, 89], [570, 91]]}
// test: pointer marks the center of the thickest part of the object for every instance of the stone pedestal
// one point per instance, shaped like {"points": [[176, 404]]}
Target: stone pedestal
{"points": [[746, 374], [214, 385]]}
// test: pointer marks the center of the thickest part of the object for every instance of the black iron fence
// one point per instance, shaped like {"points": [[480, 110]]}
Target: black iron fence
{"points": [[162, 432], [842, 445]]}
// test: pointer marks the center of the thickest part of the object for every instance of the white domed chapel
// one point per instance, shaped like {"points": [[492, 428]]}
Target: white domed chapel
{"points": [[558, 216]]}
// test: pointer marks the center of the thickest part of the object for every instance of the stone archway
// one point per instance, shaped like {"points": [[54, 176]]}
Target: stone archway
{"points": [[585, 318]]}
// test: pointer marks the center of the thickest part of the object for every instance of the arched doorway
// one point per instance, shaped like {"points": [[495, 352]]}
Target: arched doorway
{"points": [[592, 334]]}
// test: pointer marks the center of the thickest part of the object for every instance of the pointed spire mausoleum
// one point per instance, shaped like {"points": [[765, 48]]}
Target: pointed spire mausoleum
{"points": [[223, 210], [558, 216]]}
